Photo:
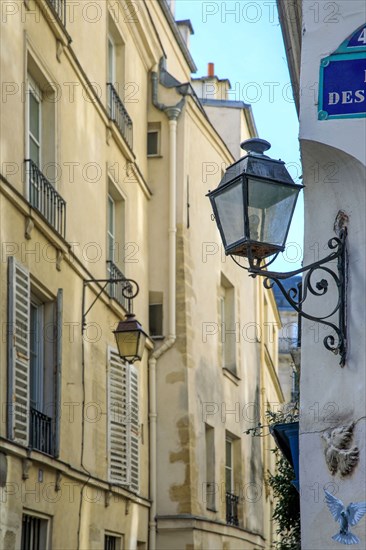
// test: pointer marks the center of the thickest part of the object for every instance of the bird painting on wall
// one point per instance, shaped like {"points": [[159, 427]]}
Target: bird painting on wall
{"points": [[346, 517]]}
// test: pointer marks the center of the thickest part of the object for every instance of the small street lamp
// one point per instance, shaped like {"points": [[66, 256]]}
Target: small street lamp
{"points": [[130, 338], [253, 207], [129, 334]]}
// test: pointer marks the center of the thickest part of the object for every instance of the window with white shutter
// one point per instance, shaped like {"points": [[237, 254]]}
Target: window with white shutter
{"points": [[123, 422], [34, 363], [18, 352]]}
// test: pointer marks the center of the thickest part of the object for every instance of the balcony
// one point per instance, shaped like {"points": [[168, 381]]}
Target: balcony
{"points": [[45, 199], [115, 289], [119, 115], [232, 502], [40, 431], [59, 9]]}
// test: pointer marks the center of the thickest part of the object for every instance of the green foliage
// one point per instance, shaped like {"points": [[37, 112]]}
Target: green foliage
{"points": [[286, 513]]}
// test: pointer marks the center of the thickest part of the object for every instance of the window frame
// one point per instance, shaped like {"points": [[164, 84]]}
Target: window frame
{"points": [[210, 467], [230, 467], [118, 539], [111, 227], [38, 306], [228, 323], [157, 132], [46, 524], [154, 128], [34, 90]]}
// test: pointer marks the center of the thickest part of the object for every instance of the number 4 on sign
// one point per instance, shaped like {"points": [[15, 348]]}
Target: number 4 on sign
{"points": [[362, 37]]}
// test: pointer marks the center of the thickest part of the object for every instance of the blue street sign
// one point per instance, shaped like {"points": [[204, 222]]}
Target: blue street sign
{"points": [[342, 85]]}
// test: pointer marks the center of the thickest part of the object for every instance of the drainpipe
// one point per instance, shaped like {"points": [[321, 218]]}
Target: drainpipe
{"points": [[172, 113]]}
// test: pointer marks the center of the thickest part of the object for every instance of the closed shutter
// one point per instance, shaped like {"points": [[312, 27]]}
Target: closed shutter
{"points": [[135, 428], [58, 380], [18, 352], [119, 433]]}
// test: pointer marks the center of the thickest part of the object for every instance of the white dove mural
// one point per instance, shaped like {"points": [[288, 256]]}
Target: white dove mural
{"points": [[346, 517]]}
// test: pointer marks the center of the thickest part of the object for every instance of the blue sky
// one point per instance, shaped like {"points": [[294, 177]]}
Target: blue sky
{"points": [[244, 41]]}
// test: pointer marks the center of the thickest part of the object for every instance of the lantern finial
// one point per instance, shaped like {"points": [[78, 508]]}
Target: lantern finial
{"points": [[255, 145]]}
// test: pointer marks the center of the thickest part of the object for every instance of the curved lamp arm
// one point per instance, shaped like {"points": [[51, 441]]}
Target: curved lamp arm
{"points": [[296, 297]]}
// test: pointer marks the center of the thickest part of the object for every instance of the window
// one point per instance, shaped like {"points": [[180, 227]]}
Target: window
{"points": [[35, 124], [41, 121], [42, 381], [229, 466], [153, 139], [115, 242], [228, 326], [112, 542], [156, 314], [115, 75], [34, 533], [232, 499], [111, 228], [123, 422], [116, 57], [210, 468], [116, 227], [111, 61], [40, 148], [34, 332]]}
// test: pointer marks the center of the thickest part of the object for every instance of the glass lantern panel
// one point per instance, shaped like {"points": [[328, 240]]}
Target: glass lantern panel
{"points": [[230, 208], [141, 345], [127, 343], [270, 209]]}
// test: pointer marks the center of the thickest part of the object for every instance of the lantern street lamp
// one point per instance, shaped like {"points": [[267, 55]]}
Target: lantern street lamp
{"points": [[253, 207], [130, 338], [254, 203], [129, 334]]}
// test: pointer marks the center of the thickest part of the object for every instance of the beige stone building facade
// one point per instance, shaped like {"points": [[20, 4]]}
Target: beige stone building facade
{"points": [[106, 155]]}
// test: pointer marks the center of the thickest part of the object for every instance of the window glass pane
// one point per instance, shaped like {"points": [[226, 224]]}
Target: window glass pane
{"points": [[33, 151], [34, 357], [228, 480], [111, 228], [110, 215], [34, 116], [111, 53], [111, 248], [156, 319], [152, 143], [228, 453]]}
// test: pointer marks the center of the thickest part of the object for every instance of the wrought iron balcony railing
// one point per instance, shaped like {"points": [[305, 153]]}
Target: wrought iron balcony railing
{"points": [[119, 115], [40, 432], [44, 198], [232, 509], [59, 8], [115, 289]]}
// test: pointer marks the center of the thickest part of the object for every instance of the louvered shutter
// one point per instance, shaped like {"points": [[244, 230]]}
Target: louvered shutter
{"points": [[119, 433], [18, 352], [58, 381], [135, 428]]}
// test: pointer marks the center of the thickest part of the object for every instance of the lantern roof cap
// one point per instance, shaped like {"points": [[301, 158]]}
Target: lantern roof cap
{"points": [[256, 163], [130, 324]]}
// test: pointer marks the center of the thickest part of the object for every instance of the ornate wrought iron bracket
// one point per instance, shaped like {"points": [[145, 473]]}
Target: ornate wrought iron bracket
{"points": [[296, 297], [129, 290]]}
